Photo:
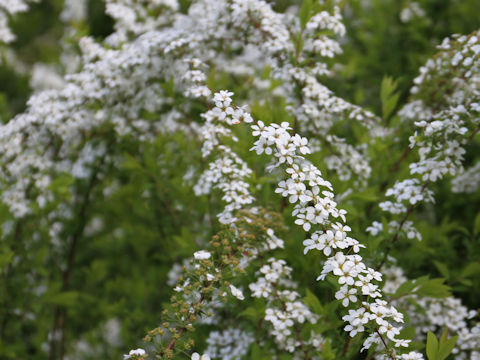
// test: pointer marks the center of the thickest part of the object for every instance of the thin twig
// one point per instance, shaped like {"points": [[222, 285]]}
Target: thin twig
{"points": [[60, 316], [397, 234], [389, 352]]}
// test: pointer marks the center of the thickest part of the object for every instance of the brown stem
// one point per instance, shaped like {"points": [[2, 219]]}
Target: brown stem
{"points": [[474, 133], [345, 348], [397, 234], [395, 167], [389, 352], [16, 240], [3, 331], [60, 317], [171, 344], [391, 172]]}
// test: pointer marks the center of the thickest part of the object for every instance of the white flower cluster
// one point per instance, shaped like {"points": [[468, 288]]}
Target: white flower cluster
{"points": [[132, 17], [294, 310], [74, 10], [443, 129], [326, 21], [285, 310], [317, 110], [446, 157], [439, 314], [9, 8], [347, 161], [408, 191], [229, 344], [137, 354], [321, 44], [468, 181], [57, 133], [269, 29], [277, 273], [318, 99], [197, 356], [195, 79], [445, 122], [44, 77], [125, 81], [229, 179], [393, 227], [227, 173], [315, 206], [412, 11]]}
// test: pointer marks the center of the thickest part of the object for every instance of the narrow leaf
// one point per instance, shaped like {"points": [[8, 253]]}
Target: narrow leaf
{"points": [[432, 346], [442, 268], [305, 12], [447, 348], [476, 226], [443, 337], [471, 269]]}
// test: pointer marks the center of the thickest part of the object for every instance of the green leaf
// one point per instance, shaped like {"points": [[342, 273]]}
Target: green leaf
{"points": [[470, 270], [432, 346], [67, 298], [466, 282], [169, 87], [258, 354], [249, 312], [131, 163], [6, 256], [404, 289], [374, 243], [443, 337], [255, 352], [446, 348], [369, 194], [327, 352], [389, 96], [61, 185], [407, 333], [305, 12], [434, 288], [442, 268], [313, 303], [476, 226], [255, 312]]}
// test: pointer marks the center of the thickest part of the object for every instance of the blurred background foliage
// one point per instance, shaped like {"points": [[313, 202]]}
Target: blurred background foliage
{"points": [[160, 231], [378, 43], [39, 33]]}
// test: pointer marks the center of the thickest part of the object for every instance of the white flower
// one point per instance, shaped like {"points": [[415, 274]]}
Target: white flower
{"points": [[258, 129], [378, 313], [390, 330], [346, 295], [236, 292], [202, 255], [134, 353], [196, 356], [412, 356]]}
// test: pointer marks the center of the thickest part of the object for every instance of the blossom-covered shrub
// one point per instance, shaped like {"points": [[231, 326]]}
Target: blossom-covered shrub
{"points": [[197, 185]]}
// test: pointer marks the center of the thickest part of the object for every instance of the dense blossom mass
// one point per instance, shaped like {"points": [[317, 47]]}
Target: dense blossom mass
{"points": [[214, 119]]}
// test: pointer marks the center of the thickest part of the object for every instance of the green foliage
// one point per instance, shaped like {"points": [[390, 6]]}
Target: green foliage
{"points": [[423, 286], [389, 96], [439, 350], [305, 12]]}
